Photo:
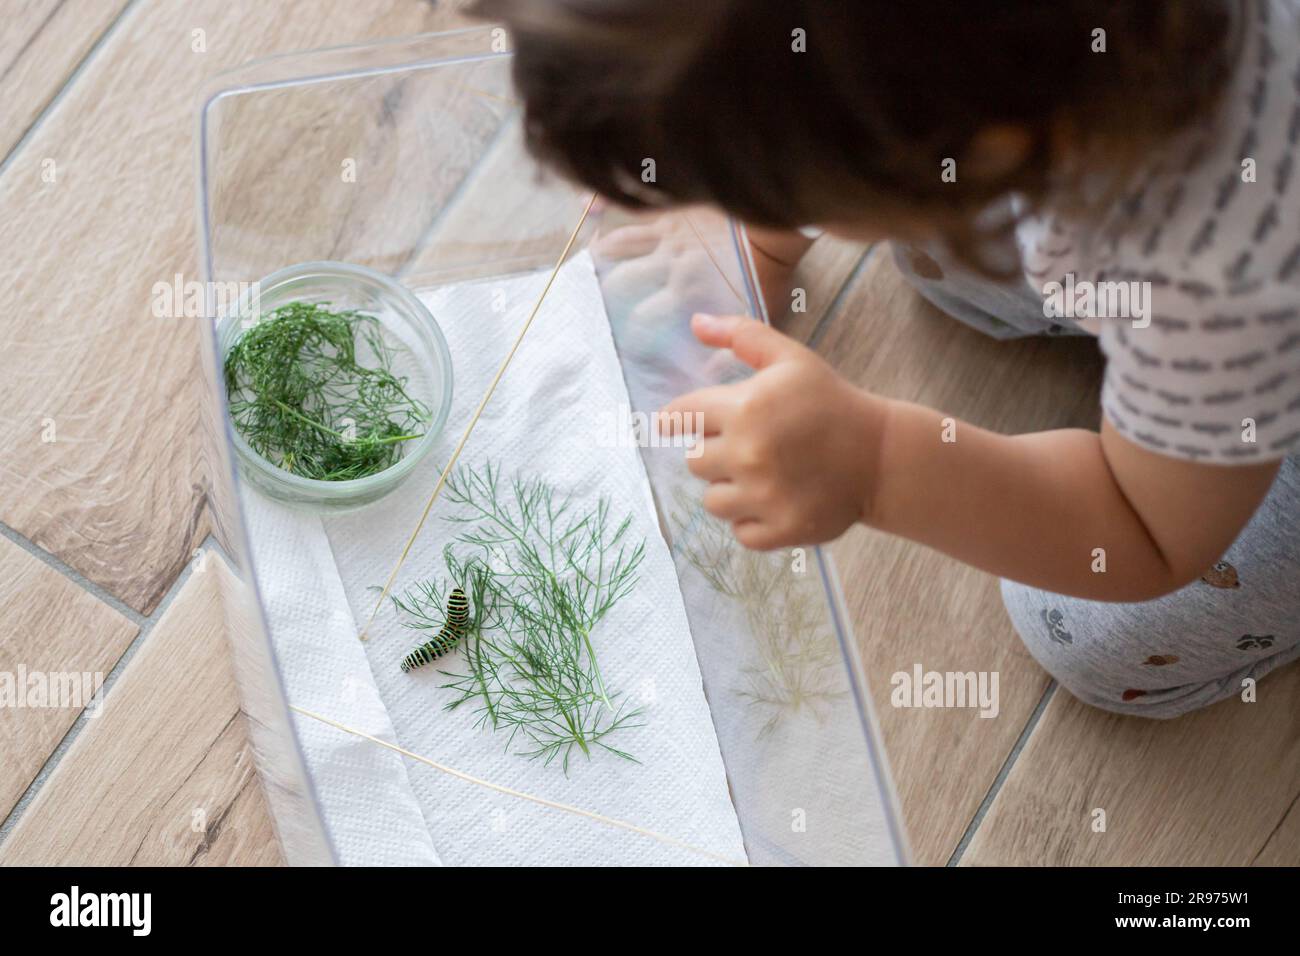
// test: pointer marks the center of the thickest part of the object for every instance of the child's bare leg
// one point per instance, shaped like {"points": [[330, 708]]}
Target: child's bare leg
{"points": [[776, 254]]}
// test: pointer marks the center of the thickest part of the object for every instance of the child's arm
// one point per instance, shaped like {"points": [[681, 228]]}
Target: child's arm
{"points": [[1035, 507], [796, 455]]}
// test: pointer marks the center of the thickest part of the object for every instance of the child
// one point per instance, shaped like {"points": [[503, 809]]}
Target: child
{"points": [[1037, 164]]}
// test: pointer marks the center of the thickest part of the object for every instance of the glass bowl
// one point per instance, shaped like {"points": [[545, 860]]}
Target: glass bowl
{"points": [[420, 355]]}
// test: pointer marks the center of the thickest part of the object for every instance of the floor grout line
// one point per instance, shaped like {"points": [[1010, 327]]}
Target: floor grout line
{"points": [[828, 316], [72, 78], [76, 577], [1005, 771], [145, 624]]}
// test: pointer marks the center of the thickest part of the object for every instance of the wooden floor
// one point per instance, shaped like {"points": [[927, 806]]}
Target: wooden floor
{"points": [[103, 512]]}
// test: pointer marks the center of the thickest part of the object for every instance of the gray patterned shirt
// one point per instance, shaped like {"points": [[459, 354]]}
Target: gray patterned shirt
{"points": [[1211, 233]]}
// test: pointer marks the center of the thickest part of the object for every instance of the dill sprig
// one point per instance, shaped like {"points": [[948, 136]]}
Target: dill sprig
{"points": [[541, 573], [798, 659], [302, 399]]}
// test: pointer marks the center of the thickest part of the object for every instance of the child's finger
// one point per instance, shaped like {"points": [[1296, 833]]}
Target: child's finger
{"points": [[703, 412], [706, 460], [715, 330], [724, 500], [754, 343], [755, 535]]}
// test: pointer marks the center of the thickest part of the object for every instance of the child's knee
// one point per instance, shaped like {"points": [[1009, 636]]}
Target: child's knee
{"points": [[1140, 659], [1085, 661]]}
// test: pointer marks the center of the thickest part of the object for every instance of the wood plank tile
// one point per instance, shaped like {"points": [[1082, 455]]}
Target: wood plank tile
{"points": [[821, 274], [40, 47], [1282, 848], [163, 776], [1217, 787], [373, 160], [913, 606], [887, 338], [118, 493], [50, 629]]}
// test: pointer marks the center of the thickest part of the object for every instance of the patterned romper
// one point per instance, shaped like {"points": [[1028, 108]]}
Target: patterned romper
{"points": [[1214, 228]]}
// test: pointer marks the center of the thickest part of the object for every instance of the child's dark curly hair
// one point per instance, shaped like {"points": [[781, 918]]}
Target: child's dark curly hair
{"points": [[856, 127]]}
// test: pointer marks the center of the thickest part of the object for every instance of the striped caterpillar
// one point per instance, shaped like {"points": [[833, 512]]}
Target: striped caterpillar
{"points": [[446, 639]]}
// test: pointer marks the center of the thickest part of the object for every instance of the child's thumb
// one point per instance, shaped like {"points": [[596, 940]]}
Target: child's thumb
{"points": [[753, 342]]}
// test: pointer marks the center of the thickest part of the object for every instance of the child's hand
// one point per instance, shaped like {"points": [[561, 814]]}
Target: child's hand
{"points": [[790, 453]]}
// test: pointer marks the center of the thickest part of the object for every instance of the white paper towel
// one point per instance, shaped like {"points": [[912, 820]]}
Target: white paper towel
{"points": [[549, 418], [369, 809]]}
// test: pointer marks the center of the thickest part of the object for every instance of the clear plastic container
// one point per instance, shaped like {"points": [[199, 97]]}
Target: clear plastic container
{"points": [[406, 158]]}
